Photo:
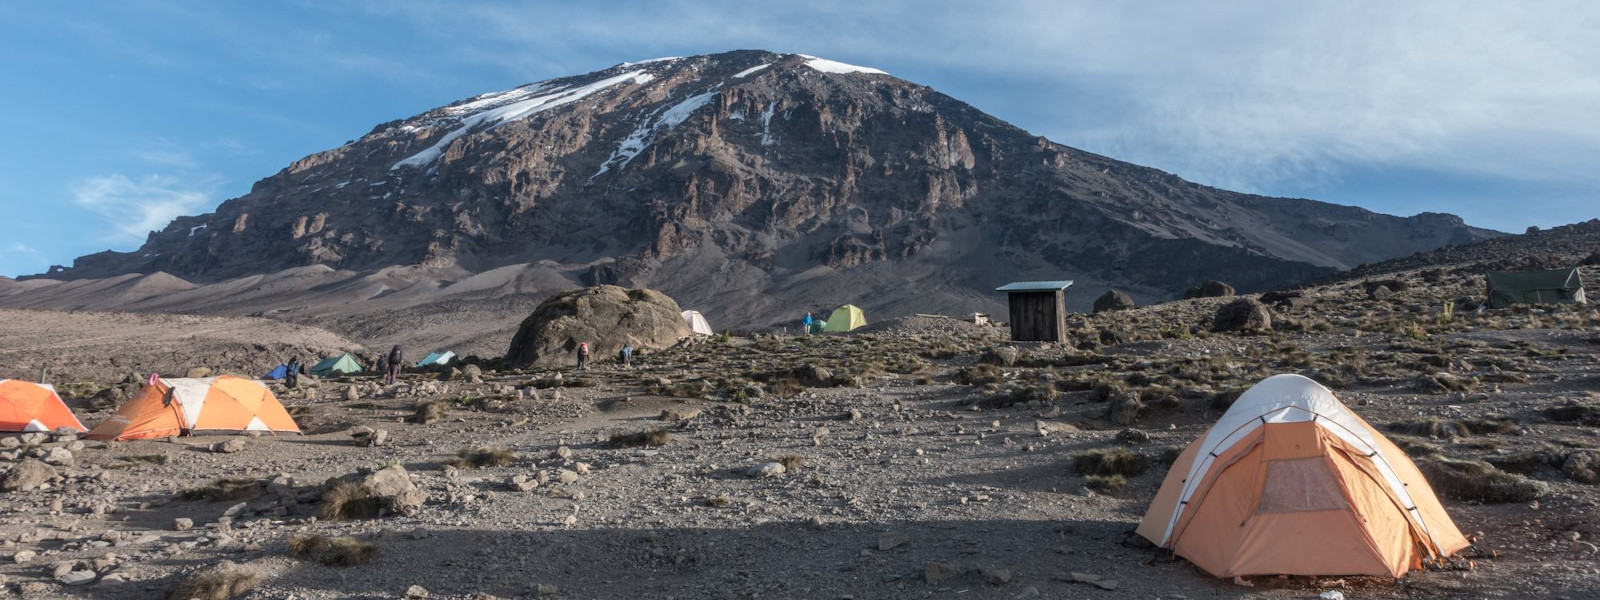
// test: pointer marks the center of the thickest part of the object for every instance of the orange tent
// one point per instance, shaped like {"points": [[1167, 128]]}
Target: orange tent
{"points": [[171, 407], [26, 406], [1291, 482]]}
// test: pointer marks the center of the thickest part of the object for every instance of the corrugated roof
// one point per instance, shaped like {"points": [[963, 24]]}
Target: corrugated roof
{"points": [[1034, 286]]}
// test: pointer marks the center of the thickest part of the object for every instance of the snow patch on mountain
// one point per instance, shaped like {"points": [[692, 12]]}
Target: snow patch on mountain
{"points": [[751, 71], [830, 66], [495, 98], [520, 109], [650, 60], [766, 124], [645, 134]]}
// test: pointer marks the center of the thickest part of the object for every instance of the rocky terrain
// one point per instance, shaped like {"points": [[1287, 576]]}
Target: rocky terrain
{"points": [[920, 457], [749, 185]]}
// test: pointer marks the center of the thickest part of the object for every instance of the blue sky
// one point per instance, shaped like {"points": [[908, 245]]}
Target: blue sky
{"points": [[121, 115]]}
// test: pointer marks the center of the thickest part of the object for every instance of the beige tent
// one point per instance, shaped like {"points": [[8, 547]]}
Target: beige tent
{"points": [[1556, 286], [697, 322], [1291, 482]]}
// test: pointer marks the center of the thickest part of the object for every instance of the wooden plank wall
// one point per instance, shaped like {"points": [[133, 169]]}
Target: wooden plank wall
{"points": [[1037, 316]]}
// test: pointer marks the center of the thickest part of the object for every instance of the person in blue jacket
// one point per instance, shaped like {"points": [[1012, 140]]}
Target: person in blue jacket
{"points": [[805, 323]]}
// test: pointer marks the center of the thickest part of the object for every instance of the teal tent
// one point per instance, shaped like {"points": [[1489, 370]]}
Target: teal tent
{"points": [[437, 358], [338, 365]]}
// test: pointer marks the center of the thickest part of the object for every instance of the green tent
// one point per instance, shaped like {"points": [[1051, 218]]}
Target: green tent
{"points": [[338, 365], [845, 318], [1557, 286], [818, 325]]}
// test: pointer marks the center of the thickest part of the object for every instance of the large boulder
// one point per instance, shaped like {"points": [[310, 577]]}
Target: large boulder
{"points": [[1114, 300], [606, 316], [1244, 314]]}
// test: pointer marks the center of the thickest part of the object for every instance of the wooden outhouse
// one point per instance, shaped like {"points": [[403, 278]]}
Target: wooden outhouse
{"points": [[1038, 310]]}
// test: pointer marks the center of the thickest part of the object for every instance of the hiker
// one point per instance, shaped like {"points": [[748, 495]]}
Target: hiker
{"points": [[397, 359], [583, 356], [291, 373], [805, 324], [627, 356]]}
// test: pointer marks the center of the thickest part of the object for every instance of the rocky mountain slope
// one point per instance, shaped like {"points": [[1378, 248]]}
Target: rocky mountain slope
{"points": [[749, 185]]}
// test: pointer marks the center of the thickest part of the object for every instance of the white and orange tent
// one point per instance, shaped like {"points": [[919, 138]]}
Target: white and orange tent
{"points": [[1291, 482], [225, 404], [27, 406]]}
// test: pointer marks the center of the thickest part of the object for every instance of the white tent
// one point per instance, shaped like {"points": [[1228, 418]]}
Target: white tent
{"points": [[697, 322], [437, 358]]}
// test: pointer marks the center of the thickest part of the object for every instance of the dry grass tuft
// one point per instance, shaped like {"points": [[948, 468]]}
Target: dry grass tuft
{"points": [[1106, 484], [1473, 480], [1116, 461], [428, 413], [332, 551], [223, 490], [478, 458], [221, 582], [718, 501], [348, 500], [648, 437]]}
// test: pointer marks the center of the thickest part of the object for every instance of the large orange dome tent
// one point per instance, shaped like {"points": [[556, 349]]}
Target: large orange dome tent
{"points": [[1290, 481], [28, 406], [225, 404]]}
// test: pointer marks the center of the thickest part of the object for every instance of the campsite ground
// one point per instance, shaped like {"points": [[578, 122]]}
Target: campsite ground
{"points": [[929, 445]]}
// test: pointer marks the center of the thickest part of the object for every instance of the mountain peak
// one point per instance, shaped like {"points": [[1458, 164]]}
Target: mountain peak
{"points": [[751, 179]]}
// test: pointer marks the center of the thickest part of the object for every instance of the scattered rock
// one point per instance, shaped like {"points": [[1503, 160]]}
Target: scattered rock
{"points": [[23, 556], [937, 572], [416, 591], [228, 446], [679, 414], [27, 475], [182, 524], [563, 453], [1124, 408], [80, 577], [565, 476], [1244, 314], [1210, 289], [1381, 293], [1582, 466], [198, 373], [771, 469], [1004, 356], [812, 375], [59, 456], [351, 394], [472, 373], [1133, 436], [891, 540], [1114, 300], [995, 575]]}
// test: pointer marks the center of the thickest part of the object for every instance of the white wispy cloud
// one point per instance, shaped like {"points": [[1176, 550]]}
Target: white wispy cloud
{"points": [[134, 207]]}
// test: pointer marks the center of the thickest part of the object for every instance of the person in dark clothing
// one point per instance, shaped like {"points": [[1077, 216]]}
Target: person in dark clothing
{"points": [[397, 359], [291, 373], [583, 356]]}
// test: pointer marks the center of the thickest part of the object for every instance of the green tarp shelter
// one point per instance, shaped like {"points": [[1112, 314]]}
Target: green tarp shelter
{"points": [[338, 365], [845, 318], [1557, 286], [437, 358]]}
